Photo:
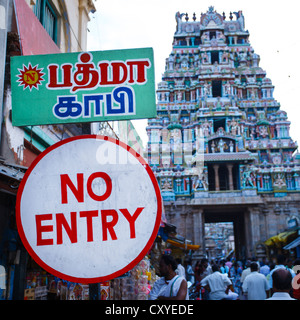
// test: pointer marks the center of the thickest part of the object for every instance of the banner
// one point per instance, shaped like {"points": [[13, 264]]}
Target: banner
{"points": [[83, 87]]}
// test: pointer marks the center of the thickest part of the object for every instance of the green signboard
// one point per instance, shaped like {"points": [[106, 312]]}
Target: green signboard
{"points": [[83, 87]]}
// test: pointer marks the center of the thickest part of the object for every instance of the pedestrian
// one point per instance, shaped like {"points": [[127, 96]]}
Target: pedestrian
{"points": [[255, 284], [207, 270], [190, 275], [263, 262], [170, 286], [180, 268], [282, 284], [207, 267], [265, 269], [223, 267], [218, 285], [245, 272], [198, 272], [272, 267], [280, 265], [235, 275], [228, 263], [296, 280]]}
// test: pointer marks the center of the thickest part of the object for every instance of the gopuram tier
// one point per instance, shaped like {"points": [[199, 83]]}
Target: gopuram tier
{"points": [[220, 146]]}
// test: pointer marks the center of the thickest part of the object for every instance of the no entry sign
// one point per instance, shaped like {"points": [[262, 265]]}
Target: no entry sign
{"points": [[88, 209]]}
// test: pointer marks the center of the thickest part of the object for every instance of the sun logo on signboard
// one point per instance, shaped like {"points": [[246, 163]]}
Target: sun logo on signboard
{"points": [[30, 76]]}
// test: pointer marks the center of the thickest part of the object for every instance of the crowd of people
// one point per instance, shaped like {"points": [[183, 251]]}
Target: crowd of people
{"points": [[228, 279]]}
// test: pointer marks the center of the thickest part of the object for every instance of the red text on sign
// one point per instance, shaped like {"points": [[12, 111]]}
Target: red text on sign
{"points": [[109, 219], [78, 191]]}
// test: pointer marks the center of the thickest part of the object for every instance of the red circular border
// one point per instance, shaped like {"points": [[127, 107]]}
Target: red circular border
{"points": [[132, 263]]}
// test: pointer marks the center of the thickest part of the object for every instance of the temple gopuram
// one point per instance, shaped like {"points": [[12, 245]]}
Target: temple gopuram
{"points": [[220, 146]]}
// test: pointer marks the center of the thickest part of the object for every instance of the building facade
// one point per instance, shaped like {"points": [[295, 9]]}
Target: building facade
{"points": [[30, 27], [220, 146]]}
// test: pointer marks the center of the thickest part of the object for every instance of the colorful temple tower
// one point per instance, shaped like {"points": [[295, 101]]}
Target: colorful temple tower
{"points": [[220, 146]]}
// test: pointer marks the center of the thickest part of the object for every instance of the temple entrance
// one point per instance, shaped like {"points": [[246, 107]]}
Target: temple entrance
{"points": [[219, 240], [229, 217]]}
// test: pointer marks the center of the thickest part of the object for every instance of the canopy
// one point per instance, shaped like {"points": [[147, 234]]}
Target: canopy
{"points": [[183, 245], [293, 244], [280, 239]]}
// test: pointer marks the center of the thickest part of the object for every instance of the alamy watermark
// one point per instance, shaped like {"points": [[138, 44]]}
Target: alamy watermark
{"points": [[295, 281], [166, 147]]}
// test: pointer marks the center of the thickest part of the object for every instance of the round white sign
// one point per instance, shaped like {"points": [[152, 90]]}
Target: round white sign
{"points": [[88, 209]]}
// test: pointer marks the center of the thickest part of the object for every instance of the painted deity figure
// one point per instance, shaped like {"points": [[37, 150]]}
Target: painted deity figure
{"points": [[234, 126], [221, 145], [206, 89], [247, 178], [213, 147], [200, 181], [206, 128], [279, 180], [227, 88]]}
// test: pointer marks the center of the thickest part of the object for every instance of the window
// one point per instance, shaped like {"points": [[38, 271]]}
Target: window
{"points": [[212, 34], [216, 88], [218, 123], [44, 11], [214, 57]]}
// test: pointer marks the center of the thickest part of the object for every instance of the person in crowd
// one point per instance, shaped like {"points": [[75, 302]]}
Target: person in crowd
{"points": [[244, 274], [170, 286], [207, 270], [228, 263], [254, 259], [223, 267], [263, 262], [255, 284], [218, 285], [296, 280], [282, 284], [180, 268], [235, 275], [272, 266], [281, 259], [246, 271], [190, 275], [207, 267], [198, 271], [264, 267]]}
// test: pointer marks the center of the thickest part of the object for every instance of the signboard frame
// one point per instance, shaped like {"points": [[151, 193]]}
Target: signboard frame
{"points": [[132, 263], [83, 87]]}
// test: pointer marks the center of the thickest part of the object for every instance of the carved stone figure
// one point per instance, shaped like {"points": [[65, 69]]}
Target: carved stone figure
{"points": [[178, 18]]}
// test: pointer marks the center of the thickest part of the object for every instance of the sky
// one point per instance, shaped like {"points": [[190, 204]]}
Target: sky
{"points": [[273, 28]]}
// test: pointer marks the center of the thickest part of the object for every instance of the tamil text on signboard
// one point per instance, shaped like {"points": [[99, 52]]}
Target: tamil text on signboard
{"points": [[83, 87]]}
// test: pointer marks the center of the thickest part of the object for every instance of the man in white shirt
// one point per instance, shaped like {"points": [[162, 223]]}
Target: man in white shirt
{"points": [[180, 268], [255, 284], [217, 284], [282, 284], [170, 286], [245, 272]]}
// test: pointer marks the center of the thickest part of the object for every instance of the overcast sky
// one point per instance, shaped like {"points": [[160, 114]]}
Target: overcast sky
{"points": [[273, 27]]}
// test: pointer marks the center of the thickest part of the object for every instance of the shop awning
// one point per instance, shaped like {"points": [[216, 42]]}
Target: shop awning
{"points": [[280, 239], [293, 244], [186, 246]]}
